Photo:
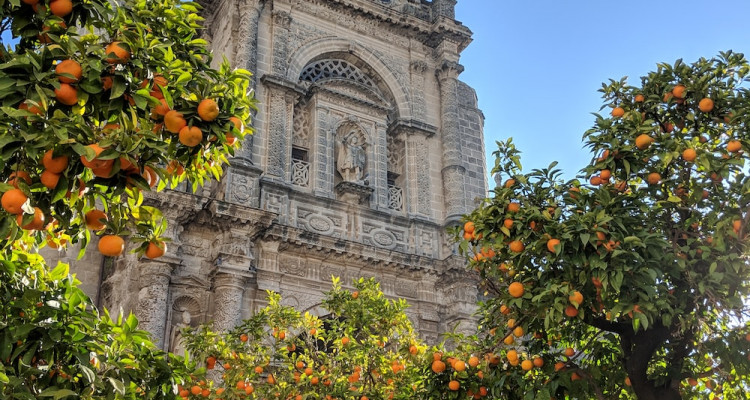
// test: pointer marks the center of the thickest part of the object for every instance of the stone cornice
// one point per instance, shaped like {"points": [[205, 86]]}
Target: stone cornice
{"points": [[187, 206], [411, 126], [429, 33], [304, 243]]}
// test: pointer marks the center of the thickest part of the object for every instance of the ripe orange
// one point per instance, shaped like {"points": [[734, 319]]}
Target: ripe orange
{"points": [[258, 369], [595, 180], [569, 352], [551, 244], [516, 246], [454, 385], [344, 341], [653, 178], [55, 165], [49, 179], [111, 245], [117, 53], [36, 224], [514, 207], [538, 362], [249, 389], [190, 136], [438, 366], [174, 121], [469, 227], [618, 112], [105, 171], [162, 109], [66, 94], [508, 223], [576, 298], [605, 174], [689, 155], [196, 390], [474, 361], [12, 201], [208, 110], [571, 311], [67, 68], [459, 366], [504, 309], [706, 105], [679, 91], [156, 249], [527, 365], [509, 340], [241, 385], [94, 163], [627, 381], [734, 146], [61, 8], [643, 141], [559, 366], [516, 289], [518, 331], [575, 377], [512, 355], [15, 176], [639, 98]]}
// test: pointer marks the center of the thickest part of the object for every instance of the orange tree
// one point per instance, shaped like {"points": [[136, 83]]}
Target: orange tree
{"points": [[634, 283], [54, 345], [363, 348], [99, 103]]}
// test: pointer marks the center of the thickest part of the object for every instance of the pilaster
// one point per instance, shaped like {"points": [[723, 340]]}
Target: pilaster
{"points": [[229, 287], [280, 96], [453, 170], [152, 299]]}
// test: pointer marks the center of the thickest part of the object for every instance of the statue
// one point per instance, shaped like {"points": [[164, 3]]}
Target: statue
{"points": [[351, 157], [176, 342]]}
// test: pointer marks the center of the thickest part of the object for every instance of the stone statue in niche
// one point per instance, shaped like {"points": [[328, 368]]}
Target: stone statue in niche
{"points": [[175, 342], [351, 157]]}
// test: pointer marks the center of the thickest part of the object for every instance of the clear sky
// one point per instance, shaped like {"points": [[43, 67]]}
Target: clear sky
{"points": [[537, 64]]}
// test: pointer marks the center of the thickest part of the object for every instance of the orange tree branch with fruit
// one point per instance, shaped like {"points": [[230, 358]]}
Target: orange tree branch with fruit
{"points": [[633, 284], [363, 348], [99, 103]]}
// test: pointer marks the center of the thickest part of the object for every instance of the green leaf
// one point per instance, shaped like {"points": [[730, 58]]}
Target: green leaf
{"points": [[117, 385], [585, 237]]}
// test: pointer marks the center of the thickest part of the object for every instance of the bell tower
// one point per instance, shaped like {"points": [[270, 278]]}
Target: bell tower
{"points": [[367, 146]]}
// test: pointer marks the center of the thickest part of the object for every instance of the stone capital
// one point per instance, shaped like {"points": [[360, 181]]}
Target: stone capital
{"points": [[153, 273], [229, 280], [449, 70]]}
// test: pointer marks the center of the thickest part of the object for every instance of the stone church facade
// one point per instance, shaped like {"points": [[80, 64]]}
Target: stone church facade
{"points": [[367, 147]]}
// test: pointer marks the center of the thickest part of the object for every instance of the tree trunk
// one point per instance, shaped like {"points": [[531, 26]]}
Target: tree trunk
{"points": [[638, 349]]}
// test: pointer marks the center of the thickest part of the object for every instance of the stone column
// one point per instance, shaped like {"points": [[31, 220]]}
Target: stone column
{"points": [[152, 299], [228, 291], [419, 102], [280, 99], [379, 164], [453, 170], [246, 56], [281, 22], [418, 173]]}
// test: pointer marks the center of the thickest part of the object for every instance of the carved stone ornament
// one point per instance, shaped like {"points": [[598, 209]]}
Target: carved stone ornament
{"points": [[352, 192]]}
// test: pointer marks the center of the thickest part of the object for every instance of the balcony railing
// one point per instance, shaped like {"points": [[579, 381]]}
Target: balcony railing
{"points": [[395, 198], [301, 173]]}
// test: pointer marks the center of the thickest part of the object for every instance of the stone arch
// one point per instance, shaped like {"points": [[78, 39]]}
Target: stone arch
{"points": [[326, 46]]}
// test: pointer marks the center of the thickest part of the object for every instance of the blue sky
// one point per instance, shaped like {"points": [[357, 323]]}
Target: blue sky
{"points": [[537, 65]]}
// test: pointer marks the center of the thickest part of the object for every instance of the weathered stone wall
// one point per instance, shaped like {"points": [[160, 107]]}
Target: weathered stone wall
{"points": [[302, 201]]}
